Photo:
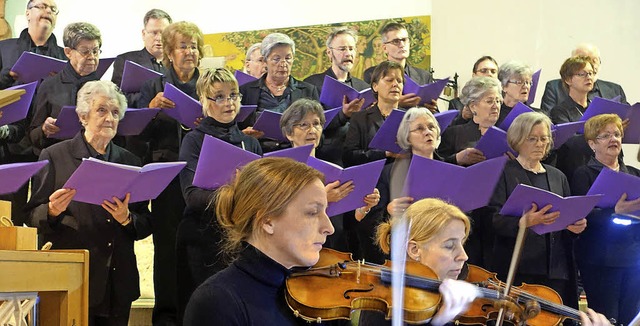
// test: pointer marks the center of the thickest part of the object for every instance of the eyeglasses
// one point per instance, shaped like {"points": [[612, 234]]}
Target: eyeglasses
{"points": [[585, 74], [421, 129], [86, 52], [305, 126], [492, 101], [220, 100], [487, 70], [344, 49], [608, 136], [535, 140], [277, 60], [187, 48], [44, 6], [398, 41], [520, 82]]}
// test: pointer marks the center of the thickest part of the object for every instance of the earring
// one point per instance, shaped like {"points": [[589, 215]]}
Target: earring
{"points": [[417, 258]]}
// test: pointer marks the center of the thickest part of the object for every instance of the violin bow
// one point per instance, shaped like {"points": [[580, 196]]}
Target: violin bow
{"points": [[515, 259], [636, 321]]}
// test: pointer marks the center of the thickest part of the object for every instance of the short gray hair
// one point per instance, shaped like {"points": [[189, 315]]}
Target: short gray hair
{"points": [[475, 89], [253, 47], [275, 39], [76, 32], [521, 128], [91, 89], [341, 31], [156, 14], [513, 69], [297, 111], [404, 129]]}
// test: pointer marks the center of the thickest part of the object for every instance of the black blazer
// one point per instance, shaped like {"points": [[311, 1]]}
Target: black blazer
{"points": [[420, 76], [457, 138], [251, 95], [11, 49], [52, 94], [555, 93], [87, 226], [604, 243], [141, 57], [334, 135], [363, 127], [540, 251]]}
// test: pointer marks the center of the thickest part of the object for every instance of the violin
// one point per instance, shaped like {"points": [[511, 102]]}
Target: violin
{"points": [[539, 304]]}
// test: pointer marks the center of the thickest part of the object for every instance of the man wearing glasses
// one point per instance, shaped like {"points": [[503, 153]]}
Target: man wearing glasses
{"points": [[555, 94], [155, 21], [37, 38], [397, 45], [341, 49]]}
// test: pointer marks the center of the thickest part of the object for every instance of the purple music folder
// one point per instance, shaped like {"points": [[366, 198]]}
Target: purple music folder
{"points": [[535, 78], [245, 111], [18, 110], [103, 66], [135, 120], [269, 123], [632, 132], [427, 92], [571, 208], [187, 109], [333, 92], [330, 115], [15, 175], [468, 188], [364, 177], [624, 111], [385, 137], [243, 77], [300, 154], [562, 132], [218, 162], [97, 181], [517, 110], [68, 122], [135, 75], [32, 67], [612, 185], [445, 118], [493, 143]]}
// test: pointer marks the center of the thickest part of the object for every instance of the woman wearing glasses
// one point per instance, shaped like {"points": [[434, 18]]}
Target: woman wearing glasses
{"points": [[302, 124], [199, 236], [516, 81], [82, 42], [578, 77], [545, 259], [608, 254], [485, 66], [276, 89]]}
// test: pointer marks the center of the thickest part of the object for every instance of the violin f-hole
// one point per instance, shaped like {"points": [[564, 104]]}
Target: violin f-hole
{"points": [[346, 293]]}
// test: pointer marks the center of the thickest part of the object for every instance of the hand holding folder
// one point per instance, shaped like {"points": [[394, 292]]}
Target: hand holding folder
{"points": [[611, 185], [572, 209], [187, 109], [333, 92], [15, 175], [68, 122], [364, 178], [96, 181], [427, 92], [468, 188]]}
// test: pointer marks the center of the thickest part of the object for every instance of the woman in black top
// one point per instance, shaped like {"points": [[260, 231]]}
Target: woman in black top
{"points": [[578, 77], [608, 254], [198, 235], [273, 216]]}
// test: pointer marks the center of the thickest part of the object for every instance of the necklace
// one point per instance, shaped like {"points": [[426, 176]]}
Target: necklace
{"points": [[536, 170], [278, 88]]}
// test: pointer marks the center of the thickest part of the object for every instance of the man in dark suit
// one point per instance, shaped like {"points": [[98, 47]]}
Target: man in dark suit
{"points": [[555, 93], [397, 46], [37, 38], [341, 49], [155, 21]]}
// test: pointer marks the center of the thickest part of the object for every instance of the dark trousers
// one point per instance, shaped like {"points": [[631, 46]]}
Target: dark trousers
{"points": [[167, 212], [612, 291]]}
